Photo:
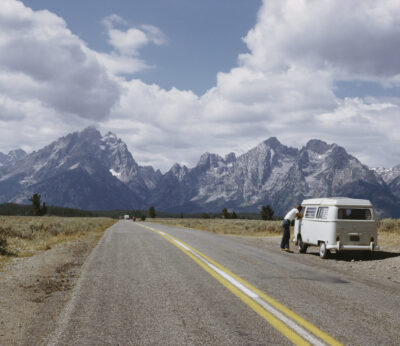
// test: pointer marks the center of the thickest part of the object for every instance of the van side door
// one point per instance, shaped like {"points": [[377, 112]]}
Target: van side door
{"points": [[309, 229]]}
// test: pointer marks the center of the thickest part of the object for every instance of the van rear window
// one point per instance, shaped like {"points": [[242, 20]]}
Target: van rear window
{"points": [[354, 214]]}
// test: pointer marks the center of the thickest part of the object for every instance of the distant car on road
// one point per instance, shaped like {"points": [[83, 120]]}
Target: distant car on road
{"points": [[336, 224], [126, 217]]}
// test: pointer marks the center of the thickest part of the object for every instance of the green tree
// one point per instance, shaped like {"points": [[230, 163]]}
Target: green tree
{"points": [[225, 214], [267, 213], [37, 209], [234, 215], [205, 216], [152, 212]]}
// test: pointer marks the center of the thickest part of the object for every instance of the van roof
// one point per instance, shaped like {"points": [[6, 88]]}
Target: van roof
{"points": [[339, 201]]}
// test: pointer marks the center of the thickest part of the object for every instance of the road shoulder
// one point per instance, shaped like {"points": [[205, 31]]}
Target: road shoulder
{"points": [[34, 290]]}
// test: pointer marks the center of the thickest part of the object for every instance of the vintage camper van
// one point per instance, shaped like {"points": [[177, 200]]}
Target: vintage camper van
{"points": [[336, 224]]}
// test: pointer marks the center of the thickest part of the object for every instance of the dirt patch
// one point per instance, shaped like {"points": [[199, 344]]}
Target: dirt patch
{"points": [[34, 290]]}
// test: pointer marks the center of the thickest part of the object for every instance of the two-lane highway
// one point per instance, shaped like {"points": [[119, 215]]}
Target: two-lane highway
{"points": [[149, 284]]}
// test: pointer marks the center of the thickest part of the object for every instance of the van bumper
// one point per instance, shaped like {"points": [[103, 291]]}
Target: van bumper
{"points": [[339, 247]]}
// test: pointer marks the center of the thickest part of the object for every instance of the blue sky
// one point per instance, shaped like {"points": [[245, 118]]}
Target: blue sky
{"points": [[177, 78], [203, 37]]}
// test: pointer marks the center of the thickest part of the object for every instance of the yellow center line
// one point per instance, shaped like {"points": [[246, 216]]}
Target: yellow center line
{"points": [[271, 319]]}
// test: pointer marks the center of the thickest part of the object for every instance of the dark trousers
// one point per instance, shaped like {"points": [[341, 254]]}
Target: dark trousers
{"points": [[286, 234]]}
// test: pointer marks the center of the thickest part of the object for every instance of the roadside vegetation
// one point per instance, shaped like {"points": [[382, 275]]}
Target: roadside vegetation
{"points": [[388, 229], [24, 236], [228, 226], [389, 233]]}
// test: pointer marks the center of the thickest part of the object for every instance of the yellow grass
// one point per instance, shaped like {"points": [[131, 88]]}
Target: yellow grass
{"points": [[227, 226], [388, 229], [389, 233], [26, 235]]}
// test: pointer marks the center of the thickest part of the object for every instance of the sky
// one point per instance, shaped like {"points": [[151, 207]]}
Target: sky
{"points": [[177, 78]]}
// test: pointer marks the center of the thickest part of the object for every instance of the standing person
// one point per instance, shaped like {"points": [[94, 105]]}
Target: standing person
{"points": [[290, 216]]}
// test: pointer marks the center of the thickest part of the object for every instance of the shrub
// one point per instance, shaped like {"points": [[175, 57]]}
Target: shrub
{"points": [[3, 245]]}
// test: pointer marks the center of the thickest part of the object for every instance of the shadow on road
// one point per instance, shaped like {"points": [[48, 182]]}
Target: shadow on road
{"points": [[349, 256]]}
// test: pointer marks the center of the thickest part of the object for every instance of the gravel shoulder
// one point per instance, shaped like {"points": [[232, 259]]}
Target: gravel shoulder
{"points": [[34, 290], [381, 270]]}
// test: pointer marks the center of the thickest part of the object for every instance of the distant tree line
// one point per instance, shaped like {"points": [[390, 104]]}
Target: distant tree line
{"points": [[227, 215], [267, 213], [38, 208]]}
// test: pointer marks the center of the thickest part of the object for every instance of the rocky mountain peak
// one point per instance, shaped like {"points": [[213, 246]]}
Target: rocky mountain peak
{"points": [[17, 154], [318, 146], [210, 160], [89, 134], [272, 142], [388, 174], [110, 137], [78, 170], [230, 158], [13, 155], [178, 171]]}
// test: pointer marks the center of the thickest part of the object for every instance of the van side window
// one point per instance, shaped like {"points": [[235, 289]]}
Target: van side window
{"points": [[354, 214], [322, 213], [310, 212]]}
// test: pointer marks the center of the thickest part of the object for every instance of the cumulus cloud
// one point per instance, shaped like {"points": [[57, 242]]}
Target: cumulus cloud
{"points": [[124, 59], [284, 86], [352, 39], [60, 71]]}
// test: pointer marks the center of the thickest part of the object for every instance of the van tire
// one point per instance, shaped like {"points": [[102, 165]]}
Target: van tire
{"points": [[323, 251], [302, 247]]}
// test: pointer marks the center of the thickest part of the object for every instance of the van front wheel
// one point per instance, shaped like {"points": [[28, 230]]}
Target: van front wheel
{"points": [[323, 251], [302, 247]]}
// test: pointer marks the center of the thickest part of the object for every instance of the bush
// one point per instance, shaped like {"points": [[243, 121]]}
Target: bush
{"points": [[267, 213], [3, 245], [143, 218], [152, 212]]}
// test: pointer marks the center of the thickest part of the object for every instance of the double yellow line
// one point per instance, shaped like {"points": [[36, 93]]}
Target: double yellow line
{"points": [[291, 325]]}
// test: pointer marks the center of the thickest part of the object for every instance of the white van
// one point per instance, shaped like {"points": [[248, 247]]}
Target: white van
{"points": [[337, 224]]}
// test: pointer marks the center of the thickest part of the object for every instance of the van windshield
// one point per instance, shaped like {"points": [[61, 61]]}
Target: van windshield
{"points": [[354, 214]]}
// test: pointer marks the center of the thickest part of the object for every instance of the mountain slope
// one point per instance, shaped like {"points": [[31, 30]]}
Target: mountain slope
{"points": [[90, 171], [81, 170], [274, 174]]}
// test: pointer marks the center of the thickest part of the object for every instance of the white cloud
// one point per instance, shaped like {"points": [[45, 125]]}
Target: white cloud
{"points": [[45, 62], [352, 39], [130, 41], [124, 59], [284, 85]]}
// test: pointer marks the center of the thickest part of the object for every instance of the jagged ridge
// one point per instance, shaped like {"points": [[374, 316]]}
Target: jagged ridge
{"points": [[90, 171]]}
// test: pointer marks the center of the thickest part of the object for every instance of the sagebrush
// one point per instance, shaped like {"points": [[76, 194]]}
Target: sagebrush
{"points": [[24, 234]]}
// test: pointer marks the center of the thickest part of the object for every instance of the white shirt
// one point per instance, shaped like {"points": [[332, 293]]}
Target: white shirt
{"points": [[291, 215]]}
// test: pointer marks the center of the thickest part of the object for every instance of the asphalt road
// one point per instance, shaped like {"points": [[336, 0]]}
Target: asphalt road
{"points": [[162, 285]]}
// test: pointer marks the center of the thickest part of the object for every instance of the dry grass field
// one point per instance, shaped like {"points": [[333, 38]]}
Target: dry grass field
{"points": [[389, 233], [388, 229], [227, 226], [24, 236]]}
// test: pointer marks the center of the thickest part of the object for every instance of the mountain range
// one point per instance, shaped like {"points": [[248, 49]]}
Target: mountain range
{"points": [[88, 170]]}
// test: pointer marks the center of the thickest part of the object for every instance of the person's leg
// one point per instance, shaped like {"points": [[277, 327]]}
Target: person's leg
{"points": [[286, 232], [287, 236]]}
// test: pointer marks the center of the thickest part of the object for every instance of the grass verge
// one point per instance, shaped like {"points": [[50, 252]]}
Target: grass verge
{"points": [[388, 229], [24, 236], [227, 226]]}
